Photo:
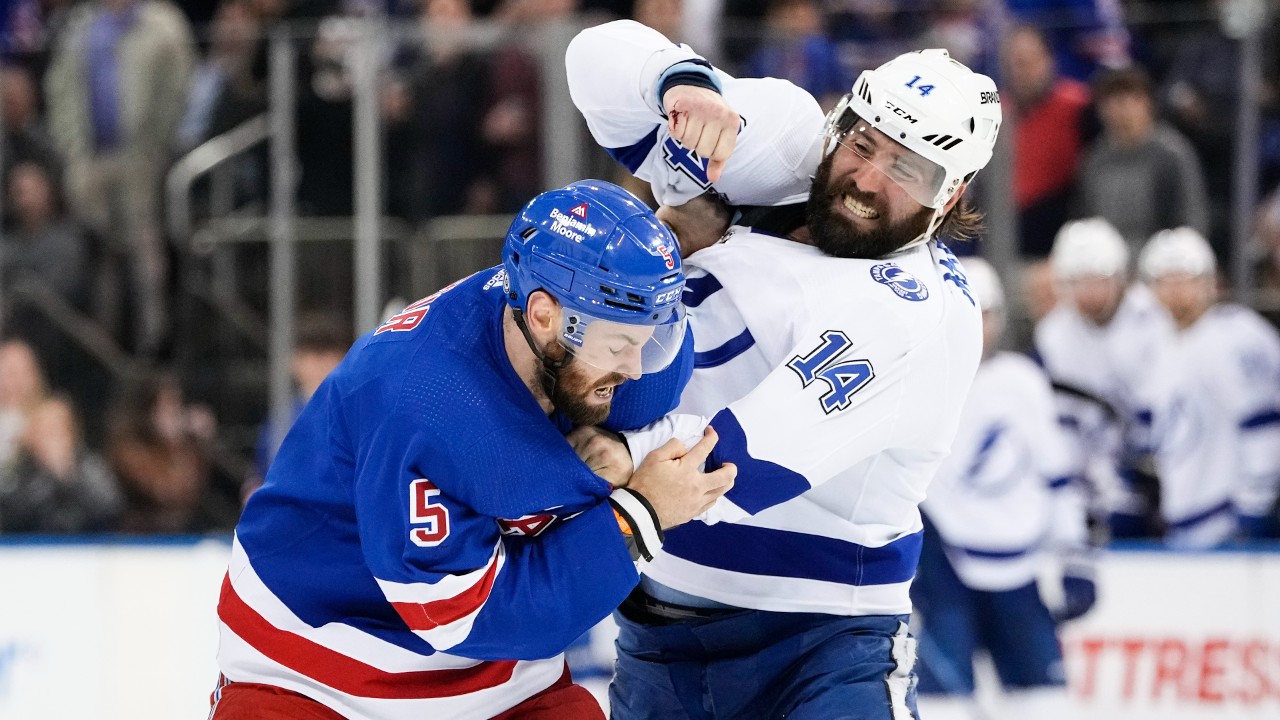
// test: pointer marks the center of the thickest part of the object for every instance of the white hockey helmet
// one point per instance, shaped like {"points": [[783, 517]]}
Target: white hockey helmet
{"points": [[985, 284], [932, 105], [1180, 250], [1089, 247]]}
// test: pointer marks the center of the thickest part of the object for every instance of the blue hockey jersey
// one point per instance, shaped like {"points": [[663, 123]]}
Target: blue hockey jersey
{"points": [[426, 542]]}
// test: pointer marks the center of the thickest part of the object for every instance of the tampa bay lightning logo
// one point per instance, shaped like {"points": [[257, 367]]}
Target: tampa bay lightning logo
{"points": [[903, 283]]}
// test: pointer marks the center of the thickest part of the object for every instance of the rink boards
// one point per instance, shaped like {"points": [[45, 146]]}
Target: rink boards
{"points": [[126, 630]]}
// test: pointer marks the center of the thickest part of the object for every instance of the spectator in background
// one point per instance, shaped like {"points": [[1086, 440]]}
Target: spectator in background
{"points": [[1218, 449], [44, 246], [871, 32], [158, 447], [1201, 90], [225, 87], [1086, 35], [55, 484], [45, 263], [512, 126], [22, 387], [436, 119], [24, 138], [797, 49], [969, 30], [1048, 141], [320, 346], [325, 75], [1140, 174], [665, 16], [30, 25], [116, 89], [1266, 243]]}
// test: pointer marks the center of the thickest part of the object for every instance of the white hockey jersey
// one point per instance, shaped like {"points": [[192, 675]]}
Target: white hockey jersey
{"points": [[615, 72], [1112, 367], [1008, 491], [1218, 441], [836, 387]]}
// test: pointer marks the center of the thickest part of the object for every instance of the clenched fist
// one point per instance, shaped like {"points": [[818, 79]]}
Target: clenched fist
{"points": [[702, 121]]}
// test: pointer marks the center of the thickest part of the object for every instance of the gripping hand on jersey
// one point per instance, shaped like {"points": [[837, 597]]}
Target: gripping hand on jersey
{"points": [[672, 480], [603, 452], [702, 121]]}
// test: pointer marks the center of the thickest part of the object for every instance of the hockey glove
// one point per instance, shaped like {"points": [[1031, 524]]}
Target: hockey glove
{"points": [[1079, 591]]}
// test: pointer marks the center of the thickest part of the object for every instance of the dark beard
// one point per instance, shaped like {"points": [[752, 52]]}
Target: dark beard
{"points": [[568, 388], [834, 235]]}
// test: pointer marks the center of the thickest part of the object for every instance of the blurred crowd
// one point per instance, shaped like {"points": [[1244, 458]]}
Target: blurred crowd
{"points": [[1122, 111]]}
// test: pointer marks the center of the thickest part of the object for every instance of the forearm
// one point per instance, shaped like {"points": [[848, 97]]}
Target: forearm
{"points": [[552, 588], [615, 74]]}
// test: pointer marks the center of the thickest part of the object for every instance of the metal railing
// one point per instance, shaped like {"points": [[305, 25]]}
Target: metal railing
{"points": [[206, 159]]}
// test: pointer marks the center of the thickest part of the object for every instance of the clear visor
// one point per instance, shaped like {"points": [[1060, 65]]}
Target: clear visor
{"points": [[631, 350], [921, 178]]}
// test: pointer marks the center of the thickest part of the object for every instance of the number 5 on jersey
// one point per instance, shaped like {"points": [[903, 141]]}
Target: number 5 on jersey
{"points": [[843, 378], [425, 510]]}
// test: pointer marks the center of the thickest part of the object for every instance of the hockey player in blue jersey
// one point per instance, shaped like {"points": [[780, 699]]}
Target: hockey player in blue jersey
{"points": [[427, 542], [834, 371]]}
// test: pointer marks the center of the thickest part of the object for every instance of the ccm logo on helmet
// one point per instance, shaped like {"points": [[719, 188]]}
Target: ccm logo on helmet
{"points": [[990, 97], [667, 297], [900, 112]]}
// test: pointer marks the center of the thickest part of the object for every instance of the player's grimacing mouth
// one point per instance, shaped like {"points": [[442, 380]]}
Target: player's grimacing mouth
{"points": [[858, 209]]}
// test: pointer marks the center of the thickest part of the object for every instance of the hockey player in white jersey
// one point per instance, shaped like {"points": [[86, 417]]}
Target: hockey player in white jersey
{"points": [[833, 374], [1218, 441], [1098, 346], [1002, 505]]}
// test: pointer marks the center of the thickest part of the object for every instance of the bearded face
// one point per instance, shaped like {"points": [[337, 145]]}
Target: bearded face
{"points": [[855, 212], [583, 393]]}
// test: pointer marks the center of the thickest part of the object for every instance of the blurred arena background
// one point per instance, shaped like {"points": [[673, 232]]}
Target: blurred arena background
{"points": [[286, 173]]}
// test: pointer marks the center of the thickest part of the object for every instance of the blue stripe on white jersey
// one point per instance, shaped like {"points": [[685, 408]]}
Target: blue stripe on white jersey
{"points": [[732, 348], [698, 289], [1264, 418], [784, 554], [771, 483], [632, 156]]}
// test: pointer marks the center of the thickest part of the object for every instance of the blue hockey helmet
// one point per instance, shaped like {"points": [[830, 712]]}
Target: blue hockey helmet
{"points": [[612, 266]]}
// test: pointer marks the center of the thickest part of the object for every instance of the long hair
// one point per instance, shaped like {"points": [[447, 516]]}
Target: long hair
{"points": [[962, 222]]}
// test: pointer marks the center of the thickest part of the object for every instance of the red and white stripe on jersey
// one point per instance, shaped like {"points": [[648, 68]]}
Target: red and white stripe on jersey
{"points": [[355, 673], [442, 612]]}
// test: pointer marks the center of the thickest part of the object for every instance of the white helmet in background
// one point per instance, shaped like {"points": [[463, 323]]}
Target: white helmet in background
{"points": [[932, 105], [1089, 248], [985, 284], [1180, 250]]}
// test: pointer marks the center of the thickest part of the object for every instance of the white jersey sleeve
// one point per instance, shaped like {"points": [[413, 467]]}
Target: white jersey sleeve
{"points": [[615, 73]]}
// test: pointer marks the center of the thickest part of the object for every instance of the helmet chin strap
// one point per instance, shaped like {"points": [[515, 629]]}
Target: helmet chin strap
{"points": [[547, 368], [927, 235]]}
